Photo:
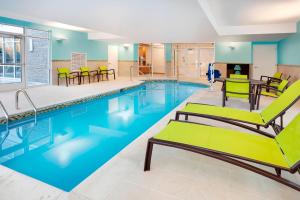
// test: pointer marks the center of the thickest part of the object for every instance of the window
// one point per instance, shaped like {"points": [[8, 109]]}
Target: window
{"points": [[78, 60], [10, 59]]}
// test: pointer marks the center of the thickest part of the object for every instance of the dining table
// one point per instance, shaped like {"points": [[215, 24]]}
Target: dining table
{"points": [[255, 84]]}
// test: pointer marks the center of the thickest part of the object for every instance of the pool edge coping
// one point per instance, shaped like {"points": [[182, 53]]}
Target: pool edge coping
{"points": [[68, 103]]}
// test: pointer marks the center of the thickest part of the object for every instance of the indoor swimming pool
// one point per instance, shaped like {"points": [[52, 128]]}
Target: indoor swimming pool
{"points": [[65, 146]]}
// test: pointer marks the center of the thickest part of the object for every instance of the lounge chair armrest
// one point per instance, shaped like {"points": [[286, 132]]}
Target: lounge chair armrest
{"points": [[272, 79], [261, 77], [272, 88]]}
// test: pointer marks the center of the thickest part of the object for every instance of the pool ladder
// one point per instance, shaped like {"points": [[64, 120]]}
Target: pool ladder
{"points": [[5, 113], [28, 99]]}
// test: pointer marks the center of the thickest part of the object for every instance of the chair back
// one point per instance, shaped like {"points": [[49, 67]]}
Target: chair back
{"points": [[284, 101], [103, 69], [289, 141], [84, 70], [63, 72], [282, 86], [238, 88], [277, 75], [238, 76]]}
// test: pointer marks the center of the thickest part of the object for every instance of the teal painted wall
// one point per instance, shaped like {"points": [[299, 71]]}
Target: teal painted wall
{"points": [[242, 52], [129, 53], [289, 49], [76, 41], [168, 52]]}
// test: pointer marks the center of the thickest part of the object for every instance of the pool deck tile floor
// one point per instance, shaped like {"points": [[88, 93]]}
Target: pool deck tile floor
{"points": [[174, 175]]}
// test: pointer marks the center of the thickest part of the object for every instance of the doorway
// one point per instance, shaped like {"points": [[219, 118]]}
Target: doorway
{"points": [[113, 58], [264, 60], [191, 60]]}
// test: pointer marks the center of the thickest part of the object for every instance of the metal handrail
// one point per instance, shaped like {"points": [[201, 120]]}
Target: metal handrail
{"points": [[139, 71], [28, 99], [5, 113]]}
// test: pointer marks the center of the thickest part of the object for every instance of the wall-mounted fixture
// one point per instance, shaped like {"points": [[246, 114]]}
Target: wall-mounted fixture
{"points": [[231, 46], [60, 38], [126, 46]]}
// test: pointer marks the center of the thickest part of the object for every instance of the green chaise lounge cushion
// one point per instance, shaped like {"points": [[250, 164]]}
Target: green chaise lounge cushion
{"points": [[225, 112], [289, 141], [251, 146]]}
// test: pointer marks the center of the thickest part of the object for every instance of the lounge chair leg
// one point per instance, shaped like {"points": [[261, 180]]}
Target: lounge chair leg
{"points": [[258, 98], [148, 156], [67, 82], [278, 172], [89, 79], [257, 127], [177, 116], [114, 76], [186, 117], [281, 122]]}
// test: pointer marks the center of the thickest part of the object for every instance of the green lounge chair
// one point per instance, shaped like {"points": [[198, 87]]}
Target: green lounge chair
{"points": [[273, 91], [86, 72], [275, 84], [244, 118], [64, 72], [104, 71], [238, 76], [238, 88], [281, 152], [272, 80]]}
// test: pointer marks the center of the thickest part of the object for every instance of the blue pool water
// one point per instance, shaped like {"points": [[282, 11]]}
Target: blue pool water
{"points": [[67, 145]]}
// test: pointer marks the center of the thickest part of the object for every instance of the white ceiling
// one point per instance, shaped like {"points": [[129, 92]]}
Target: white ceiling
{"points": [[164, 20], [254, 12]]}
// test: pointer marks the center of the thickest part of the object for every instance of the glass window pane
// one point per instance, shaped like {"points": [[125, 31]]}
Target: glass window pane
{"points": [[8, 50], [18, 50], [9, 71], [18, 72], [1, 49], [1, 70]]}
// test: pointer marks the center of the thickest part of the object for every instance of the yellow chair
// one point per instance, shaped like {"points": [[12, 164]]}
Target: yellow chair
{"points": [[104, 71], [275, 91], [86, 72], [268, 79], [64, 72], [238, 88]]}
